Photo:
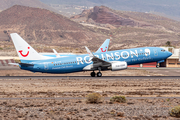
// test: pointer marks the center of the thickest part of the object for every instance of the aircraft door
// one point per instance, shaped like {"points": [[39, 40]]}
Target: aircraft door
{"points": [[155, 52], [46, 66]]}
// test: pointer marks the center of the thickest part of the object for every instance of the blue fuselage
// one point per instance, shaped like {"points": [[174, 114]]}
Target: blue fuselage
{"points": [[76, 63]]}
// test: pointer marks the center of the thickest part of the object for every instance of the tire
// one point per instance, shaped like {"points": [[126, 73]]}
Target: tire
{"points": [[93, 74], [157, 66], [99, 74]]}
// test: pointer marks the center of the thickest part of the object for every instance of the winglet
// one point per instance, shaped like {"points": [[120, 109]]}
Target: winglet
{"points": [[89, 52], [57, 55]]}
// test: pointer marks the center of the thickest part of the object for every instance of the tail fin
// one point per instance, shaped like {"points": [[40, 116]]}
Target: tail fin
{"points": [[24, 50], [104, 46]]}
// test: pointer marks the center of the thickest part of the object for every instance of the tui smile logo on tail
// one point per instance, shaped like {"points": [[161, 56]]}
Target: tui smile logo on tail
{"points": [[20, 51], [103, 50]]}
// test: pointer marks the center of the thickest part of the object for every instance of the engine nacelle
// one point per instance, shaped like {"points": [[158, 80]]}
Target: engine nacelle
{"points": [[118, 66]]}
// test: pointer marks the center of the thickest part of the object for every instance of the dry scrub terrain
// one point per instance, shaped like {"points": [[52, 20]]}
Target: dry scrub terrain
{"points": [[156, 109], [65, 98]]}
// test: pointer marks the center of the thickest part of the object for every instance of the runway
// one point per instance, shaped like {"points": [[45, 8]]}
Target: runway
{"points": [[91, 78], [80, 98]]}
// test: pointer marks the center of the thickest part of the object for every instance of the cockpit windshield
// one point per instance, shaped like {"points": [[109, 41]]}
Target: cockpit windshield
{"points": [[163, 50]]}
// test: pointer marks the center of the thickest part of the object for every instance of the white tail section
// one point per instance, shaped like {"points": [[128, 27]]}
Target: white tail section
{"points": [[24, 50]]}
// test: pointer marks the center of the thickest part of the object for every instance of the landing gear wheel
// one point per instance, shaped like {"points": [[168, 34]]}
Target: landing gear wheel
{"points": [[157, 66], [99, 74], [93, 74]]}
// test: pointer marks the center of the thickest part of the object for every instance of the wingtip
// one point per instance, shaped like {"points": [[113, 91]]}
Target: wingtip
{"points": [[13, 34]]}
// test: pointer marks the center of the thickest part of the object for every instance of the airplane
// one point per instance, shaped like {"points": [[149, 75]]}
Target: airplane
{"points": [[100, 61], [103, 48]]}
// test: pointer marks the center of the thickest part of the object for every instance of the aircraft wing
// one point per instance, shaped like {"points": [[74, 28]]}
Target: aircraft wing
{"points": [[96, 61]]}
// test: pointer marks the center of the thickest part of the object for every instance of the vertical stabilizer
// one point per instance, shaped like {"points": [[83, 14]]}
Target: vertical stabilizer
{"points": [[24, 50], [104, 46]]}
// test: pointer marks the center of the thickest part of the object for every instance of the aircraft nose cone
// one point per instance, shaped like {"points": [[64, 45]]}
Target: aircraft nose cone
{"points": [[169, 54]]}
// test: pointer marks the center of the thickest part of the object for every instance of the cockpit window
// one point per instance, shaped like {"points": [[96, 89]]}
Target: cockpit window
{"points": [[163, 50]]}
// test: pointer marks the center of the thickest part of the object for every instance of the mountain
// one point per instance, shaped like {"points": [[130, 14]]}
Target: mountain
{"points": [[5, 4], [162, 7], [131, 29], [105, 15], [43, 27]]}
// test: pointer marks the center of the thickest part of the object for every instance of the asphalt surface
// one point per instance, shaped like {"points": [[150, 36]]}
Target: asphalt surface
{"points": [[167, 72], [162, 70], [80, 98], [90, 78]]}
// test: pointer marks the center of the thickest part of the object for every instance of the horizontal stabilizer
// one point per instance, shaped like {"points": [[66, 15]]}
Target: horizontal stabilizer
{"points": [[16, 64], [22, 64], [26, 64]]}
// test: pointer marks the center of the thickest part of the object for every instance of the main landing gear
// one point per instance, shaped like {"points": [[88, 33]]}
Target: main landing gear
{"points": [[99, 74], [93, 74]]}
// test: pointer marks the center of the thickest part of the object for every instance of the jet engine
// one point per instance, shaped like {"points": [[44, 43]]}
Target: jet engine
{"points": [[118, 66]]}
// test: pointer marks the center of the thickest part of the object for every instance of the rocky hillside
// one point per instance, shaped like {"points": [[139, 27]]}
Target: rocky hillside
{"points": [[41, 26], [104, 15], [45, 29], [131, 29]]}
